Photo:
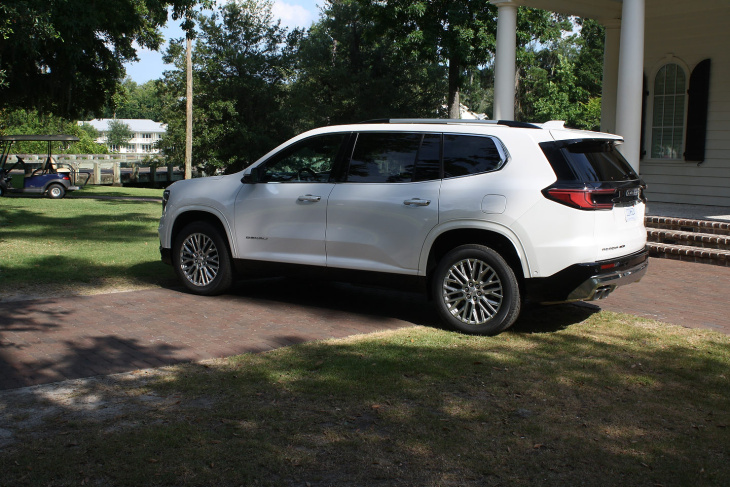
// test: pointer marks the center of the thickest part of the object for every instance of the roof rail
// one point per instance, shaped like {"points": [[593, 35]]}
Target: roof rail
{"points": [[507, 123]]}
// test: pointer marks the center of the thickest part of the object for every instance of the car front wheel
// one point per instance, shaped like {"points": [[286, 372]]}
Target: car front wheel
{"points": [[201, 259], [476, 291]]}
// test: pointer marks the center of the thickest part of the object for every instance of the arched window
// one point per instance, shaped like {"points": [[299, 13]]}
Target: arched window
{"points": [[667, 129]]}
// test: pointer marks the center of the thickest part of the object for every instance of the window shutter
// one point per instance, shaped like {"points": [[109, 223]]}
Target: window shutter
{"points": [[699, 96], [644, 96]]}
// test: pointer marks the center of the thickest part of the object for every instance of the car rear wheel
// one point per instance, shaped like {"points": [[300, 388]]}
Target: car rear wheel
{"points": [[476, 291], [56, 191], [201, 259]]}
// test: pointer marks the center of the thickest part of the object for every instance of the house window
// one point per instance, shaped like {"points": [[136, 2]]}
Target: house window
{"points": [[670, 93]]}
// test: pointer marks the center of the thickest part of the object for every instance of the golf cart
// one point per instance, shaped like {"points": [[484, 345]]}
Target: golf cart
{"points": [[50, 178]]}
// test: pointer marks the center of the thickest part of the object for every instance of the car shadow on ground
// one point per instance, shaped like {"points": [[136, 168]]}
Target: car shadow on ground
{"points": [[409, 306]]}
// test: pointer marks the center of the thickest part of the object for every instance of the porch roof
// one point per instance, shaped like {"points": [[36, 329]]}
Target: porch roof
{"points": [[594, 9]]}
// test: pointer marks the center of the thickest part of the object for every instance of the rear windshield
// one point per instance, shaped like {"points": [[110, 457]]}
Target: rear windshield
{"points": [[588, 161]]}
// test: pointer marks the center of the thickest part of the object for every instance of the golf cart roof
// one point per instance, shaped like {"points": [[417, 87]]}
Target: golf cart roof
{"points": [[42, 138]]}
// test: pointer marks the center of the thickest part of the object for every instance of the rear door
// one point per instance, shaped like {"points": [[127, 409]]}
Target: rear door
{"points": [[379, 217]]}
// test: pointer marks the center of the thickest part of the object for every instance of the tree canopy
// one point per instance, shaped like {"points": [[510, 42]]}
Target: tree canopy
{"points": [[240, 59], [67, 57]]}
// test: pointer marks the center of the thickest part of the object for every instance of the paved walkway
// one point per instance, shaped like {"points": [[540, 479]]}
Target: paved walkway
{"points": [[50, 340]]}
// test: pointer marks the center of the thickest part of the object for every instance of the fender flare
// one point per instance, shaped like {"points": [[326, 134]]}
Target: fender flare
{"points": [[487, 226]]}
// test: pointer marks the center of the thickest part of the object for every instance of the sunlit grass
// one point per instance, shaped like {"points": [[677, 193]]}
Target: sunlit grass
{"points": [[67, 242]]}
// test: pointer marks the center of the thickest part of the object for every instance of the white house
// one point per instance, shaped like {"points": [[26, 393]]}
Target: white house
{"points": [[146, 134], [666, 88]]}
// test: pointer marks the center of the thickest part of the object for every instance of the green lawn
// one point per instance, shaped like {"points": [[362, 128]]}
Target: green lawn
{"points": [[605, 400], [75, 242]]}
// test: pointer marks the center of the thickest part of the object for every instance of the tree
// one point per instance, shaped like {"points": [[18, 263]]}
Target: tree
{"points": [[240, 62], [27, 122], [135, 101], [67, 57], [561, 76], [459, 34], [118, 133], [347, 73]]}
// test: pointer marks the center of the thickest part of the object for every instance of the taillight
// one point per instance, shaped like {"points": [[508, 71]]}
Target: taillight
{"points": [[582, 198]]}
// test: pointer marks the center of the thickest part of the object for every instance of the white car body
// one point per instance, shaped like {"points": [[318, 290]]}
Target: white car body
{"points": [[394, 227]]}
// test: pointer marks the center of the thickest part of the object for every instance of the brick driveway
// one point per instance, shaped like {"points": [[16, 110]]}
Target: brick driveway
{"points": [[51, 340]]}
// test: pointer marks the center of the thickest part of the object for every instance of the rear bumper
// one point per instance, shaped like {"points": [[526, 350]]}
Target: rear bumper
{"points": [[588, 282]]}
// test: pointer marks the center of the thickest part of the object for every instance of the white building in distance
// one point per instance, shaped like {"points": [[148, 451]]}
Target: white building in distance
{"points": [[146, 134]]}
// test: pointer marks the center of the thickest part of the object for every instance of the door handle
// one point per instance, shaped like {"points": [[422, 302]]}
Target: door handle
{"points": [[417, 202], [309, 198]]}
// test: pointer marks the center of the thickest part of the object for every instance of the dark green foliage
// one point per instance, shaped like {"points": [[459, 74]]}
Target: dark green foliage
{"points": [[27, 122], [135, 101], [240, 62], [457, 35], [346, 72], [67, 57], [119, 133], [560, 77]]}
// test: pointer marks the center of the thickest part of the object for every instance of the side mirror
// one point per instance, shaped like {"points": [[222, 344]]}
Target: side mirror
{"points": [[251, 176]]}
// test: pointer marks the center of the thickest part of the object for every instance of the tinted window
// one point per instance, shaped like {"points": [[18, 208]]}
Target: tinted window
{"points": [[309, 160], [468, 154], [384, 157], [588, 161], [428, 162]]}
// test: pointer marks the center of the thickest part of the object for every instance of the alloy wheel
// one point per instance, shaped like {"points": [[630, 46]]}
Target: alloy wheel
{"points": [[472, 291]]}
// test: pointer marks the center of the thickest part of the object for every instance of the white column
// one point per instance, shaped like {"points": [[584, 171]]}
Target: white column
{"points": [[631, 80], [610, 75], [505, 59]]}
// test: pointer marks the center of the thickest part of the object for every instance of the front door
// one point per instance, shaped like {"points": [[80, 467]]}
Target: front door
{"points": [[283, 217]]}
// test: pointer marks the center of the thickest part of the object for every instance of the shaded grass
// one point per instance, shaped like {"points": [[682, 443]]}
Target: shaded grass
{"points": [[63, 243], [609, 400]]}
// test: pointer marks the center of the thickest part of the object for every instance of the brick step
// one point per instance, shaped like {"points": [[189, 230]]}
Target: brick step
{"points": [[689, 253], [688, 225], [691, 239]]}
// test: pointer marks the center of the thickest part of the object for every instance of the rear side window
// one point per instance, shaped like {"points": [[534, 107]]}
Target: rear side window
{"points": [[469, 154], [395, 158], [588, 161]]}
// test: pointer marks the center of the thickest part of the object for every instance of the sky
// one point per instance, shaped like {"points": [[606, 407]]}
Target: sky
{"points": [[293, 13]]}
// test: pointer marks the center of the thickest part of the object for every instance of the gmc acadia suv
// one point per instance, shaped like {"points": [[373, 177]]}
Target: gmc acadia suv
{"points": [[482, 214]]}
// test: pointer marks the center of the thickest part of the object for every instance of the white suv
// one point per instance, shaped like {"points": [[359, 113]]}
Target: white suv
{"points": [[481, 214]]}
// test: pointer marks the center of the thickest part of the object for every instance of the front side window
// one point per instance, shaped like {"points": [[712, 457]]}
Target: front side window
{"points": [[667, 130], [468, 154], [307, 161]]}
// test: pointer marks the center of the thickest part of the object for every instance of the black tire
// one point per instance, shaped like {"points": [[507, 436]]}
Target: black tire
{"points": [[2, 190], [202, 260], [476, 291], [56, 191]]}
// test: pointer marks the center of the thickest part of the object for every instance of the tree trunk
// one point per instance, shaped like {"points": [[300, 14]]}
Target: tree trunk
{"points": [[454, 87], [189, 109]]}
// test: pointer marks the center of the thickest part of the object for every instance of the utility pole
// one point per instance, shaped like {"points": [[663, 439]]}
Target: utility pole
{"points": [[189, 107]]}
